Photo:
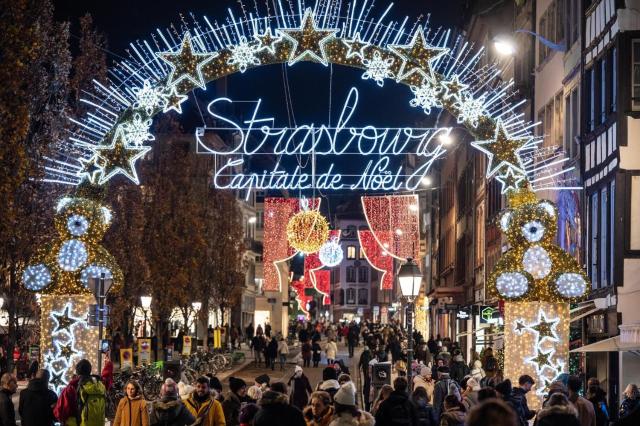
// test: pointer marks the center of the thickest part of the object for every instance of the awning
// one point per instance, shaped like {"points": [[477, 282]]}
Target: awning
{"points": [[608, 345]]}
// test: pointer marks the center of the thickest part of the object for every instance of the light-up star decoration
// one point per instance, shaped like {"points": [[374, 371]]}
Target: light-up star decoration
{"points": [[267, 41], [417, 56], [57, 380], [453, 88], [186, 63], [308, 41], [64, 321], [510, 180], [356, 47], [92, 169], [545, 328], [173, 100], [120, 158], [541, 360], [503, 150]]}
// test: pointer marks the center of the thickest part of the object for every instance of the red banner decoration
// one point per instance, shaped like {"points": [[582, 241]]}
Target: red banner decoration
{"points": [[277, 212], [317, 278], [377, 256], [301, 298], [395, 223]]}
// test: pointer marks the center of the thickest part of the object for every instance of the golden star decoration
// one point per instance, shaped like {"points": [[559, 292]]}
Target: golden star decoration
{"points": [[356, 47], [64, 321], [453, 88], [503, 150], [66, 351], [186, 64], [267, 41], [541, 360], [545, 328], [91, 169], [418, 55], [120, 158], [510, 180], [173, 100], [308, 41]]}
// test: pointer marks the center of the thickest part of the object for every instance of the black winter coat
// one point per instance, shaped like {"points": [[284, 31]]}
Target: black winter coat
{"points": [[426, 413], [36, 404], [397, 409], [519, 400], [7, 411], [275, 411]]}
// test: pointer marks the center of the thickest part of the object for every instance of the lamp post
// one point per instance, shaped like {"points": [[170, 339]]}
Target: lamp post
{"points": [[196, 308], [145, 301], [410, 279]]}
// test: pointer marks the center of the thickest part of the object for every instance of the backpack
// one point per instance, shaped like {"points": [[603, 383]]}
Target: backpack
{"points": [[91, 400]]}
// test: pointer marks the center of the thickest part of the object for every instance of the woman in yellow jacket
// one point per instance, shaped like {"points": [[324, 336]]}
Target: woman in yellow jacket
{"points": [[132, 409]]}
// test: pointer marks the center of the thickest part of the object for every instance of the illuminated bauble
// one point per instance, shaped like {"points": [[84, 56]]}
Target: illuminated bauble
{"points": [[72, 255], [94, 271], [533, 231], [36, 277], [77, 225], [512, 284], [571, 285], [307, 231], [537, 262], [331, 254]]}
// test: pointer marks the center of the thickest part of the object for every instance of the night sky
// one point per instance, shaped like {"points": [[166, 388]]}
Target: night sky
{"points": [[125, 21]]}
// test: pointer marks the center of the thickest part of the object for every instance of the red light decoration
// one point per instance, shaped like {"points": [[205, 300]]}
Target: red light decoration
{"points": [[377, 256], [315, 276], [301, 298]]}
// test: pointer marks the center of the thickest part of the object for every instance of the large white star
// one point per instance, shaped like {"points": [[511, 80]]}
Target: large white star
{"points": [[186, 64], [510, 180], [418, 55], [308, 41], [120, 158]]}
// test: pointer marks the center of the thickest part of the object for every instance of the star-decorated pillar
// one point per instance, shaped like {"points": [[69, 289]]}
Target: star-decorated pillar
{"points": [[536, 342]]}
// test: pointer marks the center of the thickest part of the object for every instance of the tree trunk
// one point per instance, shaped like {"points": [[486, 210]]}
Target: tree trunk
{"points": [[11, 310]]}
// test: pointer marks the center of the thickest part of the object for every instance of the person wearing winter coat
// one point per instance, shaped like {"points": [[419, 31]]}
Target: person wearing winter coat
{"points": [[397, 409], [424, 380], [586, 413], [558, 411], [443, 387], [271, 353], [424, 410], [454, 413], [258, 345], [37, 401], [477, 372], [300, 389], [202, 405], [275, 405], [519, 398], [283, 351], [345, 411], [67, 409], [169, 409], [320, 411], [631, 400], [9, 385], [305, 349], [233, 401], [316, 349], [331, 350], [470, 394], [132, 408], [598, 397], [458, 369]]}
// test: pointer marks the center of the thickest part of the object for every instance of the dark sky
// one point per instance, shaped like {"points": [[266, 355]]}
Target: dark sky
{"points": [[124, 21]]}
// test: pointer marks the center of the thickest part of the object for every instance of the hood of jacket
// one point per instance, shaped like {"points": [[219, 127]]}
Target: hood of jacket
{"points": [[346, 419], [455, 414], [558, 410], [38, 385], [272, 398], [324, 419], [167, 409], [477, 364]]}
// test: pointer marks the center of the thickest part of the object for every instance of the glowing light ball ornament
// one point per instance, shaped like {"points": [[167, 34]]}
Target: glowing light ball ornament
{"points": [[331, 253], [307, 231]]}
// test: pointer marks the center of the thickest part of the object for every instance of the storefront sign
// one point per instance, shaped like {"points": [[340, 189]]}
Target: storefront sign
{"points": [[186, 345], [144, 352], [126, 358], [489, 315]]}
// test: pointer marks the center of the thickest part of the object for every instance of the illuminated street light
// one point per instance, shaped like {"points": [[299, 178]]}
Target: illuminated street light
{"points": [[504, 46]]}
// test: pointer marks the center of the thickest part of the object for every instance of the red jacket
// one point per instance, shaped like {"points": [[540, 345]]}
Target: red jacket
{"points": [[67, 405], [107, 374]]}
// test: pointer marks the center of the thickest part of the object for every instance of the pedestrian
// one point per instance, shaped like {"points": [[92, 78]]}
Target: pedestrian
{"points": [[519, 396], [477, 372], [202, 405], [586, 413], [258, 345], [631, 400], [305, 349], [270, 353], [426, 416], [275, 409], [233, 401], [319, 412], [598, 397], [345, 411], [283, 351], [132, 408], [459, 369], [492, 413], [37, 401], [254, 393], [353, 336], [397, 409], [9, 385], [443, 387], [263, 381], [454, 413], [169, 409], [558, 412], [331, 350], [383, 394], [486, 393], [470, 394], [300, 389], [363, 365], [315, 347], [83, 398], [425, 380], [248, 413]]}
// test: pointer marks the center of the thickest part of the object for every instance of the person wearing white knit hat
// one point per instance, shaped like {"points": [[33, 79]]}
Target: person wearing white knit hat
{"points": [[346, 412]]}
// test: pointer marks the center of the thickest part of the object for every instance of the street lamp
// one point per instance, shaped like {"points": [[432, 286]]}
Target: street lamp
{"points": [[196, 308], [410, 279], [505, 44], [145, 301]]}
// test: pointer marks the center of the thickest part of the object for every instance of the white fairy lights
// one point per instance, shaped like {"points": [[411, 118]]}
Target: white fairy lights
{"points": [[537, 262], [331, 253], [72, 255], [512, 284], [94, 271], [147, 97], [36, 277], [471, 109], [77, 225], [243, 55], [571, 285], [378, 68], [426, 96], [136, 131], [533, 231]]}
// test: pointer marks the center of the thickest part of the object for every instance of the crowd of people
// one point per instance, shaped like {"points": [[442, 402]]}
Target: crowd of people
{"points": [[445, 390]]}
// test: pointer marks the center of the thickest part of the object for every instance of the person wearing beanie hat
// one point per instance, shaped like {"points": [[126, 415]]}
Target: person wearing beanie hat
{"points": [[276, 410], [329, 373], [81, 388], [397, 408], [233, 401], [248, 413], [169, 409], [346, 412], [470, 394], [424, 380], [300, 389], [263, 381]]}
